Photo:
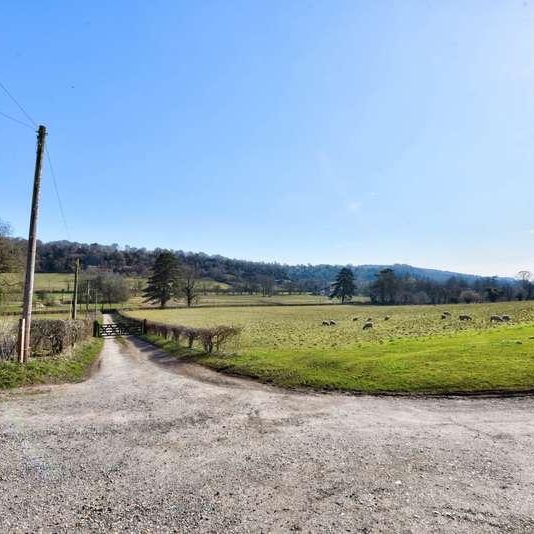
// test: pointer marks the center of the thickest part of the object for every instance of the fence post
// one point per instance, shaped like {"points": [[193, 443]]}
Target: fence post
{"points": [[21, 339], [95, 329]]}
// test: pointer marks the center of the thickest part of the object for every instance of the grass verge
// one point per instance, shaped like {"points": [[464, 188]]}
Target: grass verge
{"points": [[498, 360], [171, 347], [73, 368]]}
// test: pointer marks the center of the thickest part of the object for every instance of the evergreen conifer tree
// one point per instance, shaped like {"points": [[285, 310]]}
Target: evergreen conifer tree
{"points": [[165, 282], [344, 287]]}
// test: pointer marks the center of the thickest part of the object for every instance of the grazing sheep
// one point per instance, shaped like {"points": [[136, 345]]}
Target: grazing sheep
{"points": [[355, 318], [332, 323], [496, 319], [506, 318], [465, 318], [444, 316], [326, 323], [387, 318], [369, 319], [446, 313], [367, 325]]}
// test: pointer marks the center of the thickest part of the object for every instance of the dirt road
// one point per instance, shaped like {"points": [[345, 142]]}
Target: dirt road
{"points": [[146, 445]]}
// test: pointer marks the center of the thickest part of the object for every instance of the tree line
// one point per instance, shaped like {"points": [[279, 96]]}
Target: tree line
{"points": [[106, 266], [388, 288]]}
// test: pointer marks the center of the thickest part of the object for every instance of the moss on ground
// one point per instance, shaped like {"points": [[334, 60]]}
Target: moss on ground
{"points": [[72, 368]]}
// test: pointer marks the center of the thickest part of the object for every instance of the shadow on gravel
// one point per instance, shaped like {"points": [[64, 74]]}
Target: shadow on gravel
{"points": [[184, 365]]}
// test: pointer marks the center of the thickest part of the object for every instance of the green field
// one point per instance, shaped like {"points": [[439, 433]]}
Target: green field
{"points": [[258, 300], [212, 299], [414, 351], [56, 282], [52, 282]]}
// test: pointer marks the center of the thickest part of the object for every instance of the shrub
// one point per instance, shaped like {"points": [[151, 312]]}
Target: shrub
{"points": [[177, 332], [191, 334], [224, 334], [210, 338], [50, 301], [48, 337], [53, 336], [469, 296], [8, 339]]}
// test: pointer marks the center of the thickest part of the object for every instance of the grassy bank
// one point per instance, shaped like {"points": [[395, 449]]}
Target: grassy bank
{"points": [[73, 368], [497, 360], [415, 351], [469, 362]]}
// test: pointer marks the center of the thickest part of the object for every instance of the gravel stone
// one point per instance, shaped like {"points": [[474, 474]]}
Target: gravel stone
{"points": [[149, 444]]}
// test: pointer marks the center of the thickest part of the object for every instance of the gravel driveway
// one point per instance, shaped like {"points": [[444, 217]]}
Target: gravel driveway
{"points": [[150, 445]]}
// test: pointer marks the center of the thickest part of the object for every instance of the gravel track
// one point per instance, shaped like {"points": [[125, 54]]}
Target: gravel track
{"points": [[151, 445]]}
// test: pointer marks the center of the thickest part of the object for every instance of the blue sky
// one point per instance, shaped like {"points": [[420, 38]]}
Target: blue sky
{"points": [[298, 131]]}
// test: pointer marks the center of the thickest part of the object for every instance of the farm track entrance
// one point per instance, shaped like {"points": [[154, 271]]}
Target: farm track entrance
{"points": [[119, 329]]}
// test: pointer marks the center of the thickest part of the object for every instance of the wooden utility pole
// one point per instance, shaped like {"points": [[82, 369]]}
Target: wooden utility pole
{"points": [[75, 295], [22, 331], [24, 349], [87, 296]]}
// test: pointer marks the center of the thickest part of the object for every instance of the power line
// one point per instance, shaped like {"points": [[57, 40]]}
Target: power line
{"points": [[54, 180], [15, 120], [18, 104], [56, 189]]}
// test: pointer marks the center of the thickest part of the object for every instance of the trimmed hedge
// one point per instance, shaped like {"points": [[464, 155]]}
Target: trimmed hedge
{"points": [[211, 339], [53, 336], [48, 337]]}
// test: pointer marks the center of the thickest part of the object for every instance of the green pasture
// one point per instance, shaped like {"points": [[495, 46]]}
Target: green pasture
{"points": [[413, 351], [259, 300]]}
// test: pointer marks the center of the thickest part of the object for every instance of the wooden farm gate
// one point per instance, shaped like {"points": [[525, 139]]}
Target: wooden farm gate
{"points": [[119, 329]]}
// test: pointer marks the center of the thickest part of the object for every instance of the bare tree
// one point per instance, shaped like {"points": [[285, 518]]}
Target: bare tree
{"points": [[267, 285], [190, 285], [525, 277]]}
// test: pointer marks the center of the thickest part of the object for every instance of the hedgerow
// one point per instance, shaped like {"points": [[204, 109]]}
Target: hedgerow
{"points": [[48, 337], [210, 338]]}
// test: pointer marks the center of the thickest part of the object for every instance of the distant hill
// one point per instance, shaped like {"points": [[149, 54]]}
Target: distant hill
{"points": [[367, 273], [59, 257]]}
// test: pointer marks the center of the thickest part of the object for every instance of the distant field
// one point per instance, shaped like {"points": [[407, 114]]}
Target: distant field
{"points": [[258, 300], [61, 285], [58, 283], [54, 282], [37, 316], [414, 351], [222, 300]]}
